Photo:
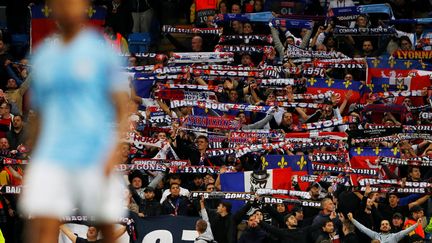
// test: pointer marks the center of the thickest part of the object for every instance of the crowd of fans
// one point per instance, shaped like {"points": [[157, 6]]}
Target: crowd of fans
{"points": [[347, 214]]}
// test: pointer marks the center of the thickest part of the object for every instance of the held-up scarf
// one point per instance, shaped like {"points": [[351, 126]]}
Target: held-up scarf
{"points": [[329, 157], [346, 64], [291, 23], [364, 31], [394, 182], [425, 115], [194, 87], [303, 203], [168, 94], [157, 69], [329, 179], [267, 191], [139, 141], [201, 57], [409, 190], [278, 82], [212, 122], [11, 161], [10, 189], [417, 161], [413, 54], [415, 128], [231, 73], [250, 197], [200, 170], [309, 71], [343, 169], [404, 93], [153, 76], [219, 106], [295, 52], [226, 67], [253, 17], [330, 123], [307, 96], [172, 29], [211, 153], [296, 105], [249, 49], [362, 9], [246, 38]]}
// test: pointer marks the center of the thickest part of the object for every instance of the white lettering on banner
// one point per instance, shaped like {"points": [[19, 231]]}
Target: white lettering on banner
{"points": [[189, 235], [13, 190], [164, 236], [158, 236], [273, 200]]}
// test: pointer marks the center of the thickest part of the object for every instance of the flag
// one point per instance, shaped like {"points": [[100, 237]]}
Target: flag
{"points": [[339, 86], [250, 181], [143, 88], [389, 74], [298, 163], [367, 158], [42, 25]]}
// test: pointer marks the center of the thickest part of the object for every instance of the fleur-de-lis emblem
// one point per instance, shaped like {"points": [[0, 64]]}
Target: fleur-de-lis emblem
{"points": [[312, 81], [46, 10], [423, 64], [377, 150], [376, 62], [370, 86], [347, 83], [395, 150], [400, 86], [359, 150], [264, 163], [385, 86], [329, 82], [407, 63], [91, 11], [282, 163], [302, 162], [391, 62]]}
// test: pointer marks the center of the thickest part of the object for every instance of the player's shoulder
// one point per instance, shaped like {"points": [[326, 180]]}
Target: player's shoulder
{"points": [[96, 44], [46, 46]]}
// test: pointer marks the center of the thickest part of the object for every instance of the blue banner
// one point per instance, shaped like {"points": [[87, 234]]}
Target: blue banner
{"points": [[292, 23], [166, 229], [295, 162], [253, 17], [401, 64], [362, 9], [378, 151], [333, 84]]}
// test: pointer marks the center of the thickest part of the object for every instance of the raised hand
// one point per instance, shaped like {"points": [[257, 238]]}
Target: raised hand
{"points": [[350, 216]]}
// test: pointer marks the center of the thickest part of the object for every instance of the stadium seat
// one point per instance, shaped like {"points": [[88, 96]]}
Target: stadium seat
{"points": [[139, 42]]}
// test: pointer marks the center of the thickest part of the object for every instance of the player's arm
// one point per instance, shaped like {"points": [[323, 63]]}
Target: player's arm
{"points": [[68, 233], [119, 232], [120, 100], [33, 130]]}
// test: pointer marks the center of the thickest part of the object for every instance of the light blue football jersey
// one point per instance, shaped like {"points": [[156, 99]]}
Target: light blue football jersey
{"points": [[71, 89]]}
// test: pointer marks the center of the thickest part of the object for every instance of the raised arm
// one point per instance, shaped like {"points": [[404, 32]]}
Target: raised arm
{"points": [[272, 229], [68, 233], [419, 201], [259, 124], [372, 234], [277, 42], [119, 232], [399, 235], [205, 216]]}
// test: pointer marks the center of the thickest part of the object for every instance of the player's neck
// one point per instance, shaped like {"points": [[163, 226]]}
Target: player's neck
{"points": [[70, 32]]}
